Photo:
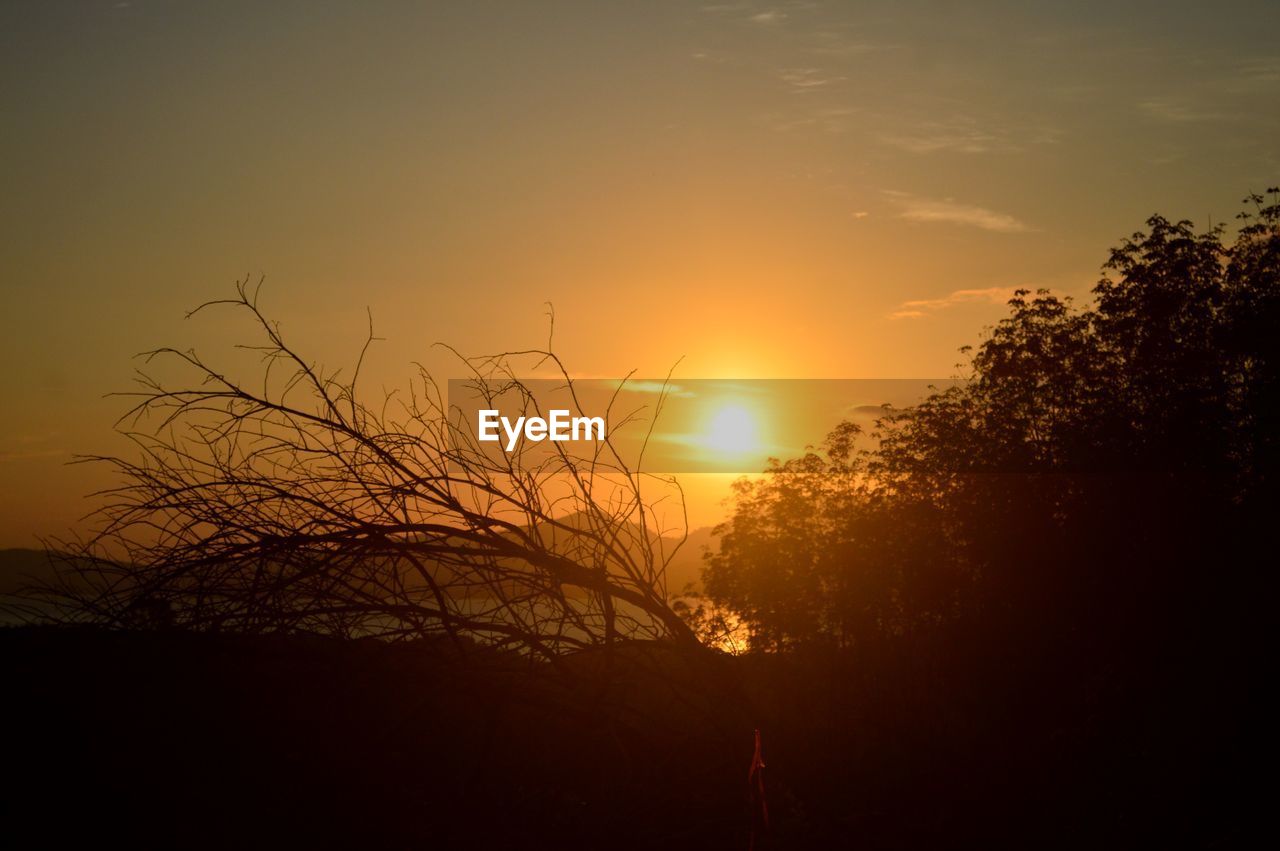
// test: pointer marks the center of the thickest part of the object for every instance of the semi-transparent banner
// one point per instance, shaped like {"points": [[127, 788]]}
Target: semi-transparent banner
{"points": [[685, 426]]}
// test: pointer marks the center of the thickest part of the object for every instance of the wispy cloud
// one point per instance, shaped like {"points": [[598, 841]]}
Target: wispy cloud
{"points": [[30, 454], [768, 17], [1240, 92], [656, 387], [803, 80], [869, 411], [946, 211], [931, 138], [1178, 112], [919, 308], [24, 447], [1252, 75], [828, 119], [966, 135], [832, 43]]}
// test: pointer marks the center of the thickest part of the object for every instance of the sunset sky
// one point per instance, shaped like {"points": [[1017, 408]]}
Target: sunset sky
{"points": [[768, 190]]}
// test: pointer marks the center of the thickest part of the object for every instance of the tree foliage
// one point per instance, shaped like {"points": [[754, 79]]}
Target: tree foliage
{"points": [[1103, 469]]}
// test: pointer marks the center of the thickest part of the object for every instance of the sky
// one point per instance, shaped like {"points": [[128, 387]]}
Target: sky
{"points": [[764, 190]]}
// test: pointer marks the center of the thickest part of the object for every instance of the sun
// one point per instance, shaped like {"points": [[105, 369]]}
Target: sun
{"points": [[733, 430]]}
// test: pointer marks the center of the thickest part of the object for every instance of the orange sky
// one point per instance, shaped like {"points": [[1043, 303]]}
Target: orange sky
{"points": [[765, 189]]}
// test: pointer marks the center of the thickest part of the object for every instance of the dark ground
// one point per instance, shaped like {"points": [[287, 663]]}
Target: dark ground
{"points": [[180, 740]]}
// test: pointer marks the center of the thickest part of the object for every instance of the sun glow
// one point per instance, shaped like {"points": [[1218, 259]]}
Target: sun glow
{"points": [[733, 430]]}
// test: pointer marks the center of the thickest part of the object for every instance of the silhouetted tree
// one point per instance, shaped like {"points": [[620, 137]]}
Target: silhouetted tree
{"points": [[1095, 476], [288, 504]]}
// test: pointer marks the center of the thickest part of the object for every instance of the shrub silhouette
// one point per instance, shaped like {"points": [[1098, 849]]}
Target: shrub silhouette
{"points": [[286, 503]]}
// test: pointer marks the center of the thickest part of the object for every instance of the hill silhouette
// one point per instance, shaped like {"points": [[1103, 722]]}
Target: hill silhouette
{"points": [[21, 567]]}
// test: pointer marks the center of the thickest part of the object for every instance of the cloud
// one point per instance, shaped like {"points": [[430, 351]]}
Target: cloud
{"points": [[769, 17], [1178, 112], [803, 80], [930, 140], [828, 119], [918, 308], [963, 134], [30, 454], [947, 211], [829, 43], [25, 447], [656, 387], [1256, 75]]}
